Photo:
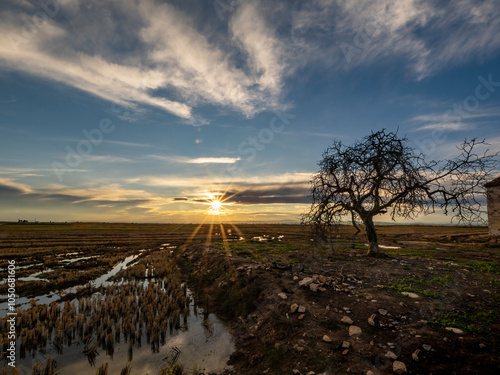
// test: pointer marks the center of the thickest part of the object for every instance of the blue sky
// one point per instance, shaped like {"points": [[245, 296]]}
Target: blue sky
{"points": [[142, 110]]}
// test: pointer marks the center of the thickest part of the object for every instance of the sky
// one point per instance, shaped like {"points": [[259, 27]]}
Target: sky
{"points": [[144, 111]]}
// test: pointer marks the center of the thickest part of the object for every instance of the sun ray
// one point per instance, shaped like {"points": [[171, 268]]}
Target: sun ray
{"points": [[208, 241], [240, 233], [224, 239], [195, 232]]}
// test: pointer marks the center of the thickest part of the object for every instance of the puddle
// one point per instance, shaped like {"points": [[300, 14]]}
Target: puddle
{"points": [[205, 343], [47, 299], [73, 260]]}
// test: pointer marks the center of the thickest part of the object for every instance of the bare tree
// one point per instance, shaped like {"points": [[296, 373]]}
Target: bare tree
{"points": [[382, 174]]}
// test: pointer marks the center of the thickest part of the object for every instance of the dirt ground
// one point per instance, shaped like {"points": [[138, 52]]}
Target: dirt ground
{"points": [[358, 317], [297, 308]]}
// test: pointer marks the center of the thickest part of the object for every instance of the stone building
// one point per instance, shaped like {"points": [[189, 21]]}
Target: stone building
{"points": [[493, 197]]}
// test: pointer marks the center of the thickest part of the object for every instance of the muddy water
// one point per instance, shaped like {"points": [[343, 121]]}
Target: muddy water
{"points": [[24, 302], [204, 342]]}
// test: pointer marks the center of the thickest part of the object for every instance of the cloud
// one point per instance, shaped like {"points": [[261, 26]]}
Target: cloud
{"points": [[453, 126], [107, 159], [426, 35], [9, 186], [128, 144], [201, 160], [258, 40], [456, 120], [145, 54]]}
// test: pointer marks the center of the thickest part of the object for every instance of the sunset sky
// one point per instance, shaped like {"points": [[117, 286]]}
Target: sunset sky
{"points": [[141, 111]]}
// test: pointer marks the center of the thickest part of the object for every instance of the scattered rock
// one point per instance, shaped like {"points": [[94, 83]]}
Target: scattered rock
{"points": [[311, 373], [454, 330], [398, 367], [354, 330], [370, 372], [391, 355], [282, 295], [371, 320], [346, 320], [321, 289], [327, 338], [410, 294], [415, 355], [382, 312], [305, 281], [295, 371], [295, 278], [345, 345], [294, 308], [302, 309], [313, 287], [426, 347], [301, 316], [344, 352]]}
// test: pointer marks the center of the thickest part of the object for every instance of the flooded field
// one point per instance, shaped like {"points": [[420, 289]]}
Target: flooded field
{"points": [[111, 298], [90, 305]]}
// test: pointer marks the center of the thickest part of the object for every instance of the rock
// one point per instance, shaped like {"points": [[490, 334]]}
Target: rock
{"points": [[398, 367], [322, 279], [321, 289], [301, 316], [311, 373], [295, 278], [415, 355], [305, 281], [354, 330], [371, 320], [346, 320], [344, 352], [282, 295], [382, 312], [302, 309], [300, 349], [370, 372], [345, 345], [410, 294], [327, 338], [454, 330], [391, 355], [295, 371], [294, 308], [426, 347], [313, 287]]}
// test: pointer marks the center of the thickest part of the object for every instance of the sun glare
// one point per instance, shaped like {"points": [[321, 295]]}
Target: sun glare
{"points": [[216, 207]]}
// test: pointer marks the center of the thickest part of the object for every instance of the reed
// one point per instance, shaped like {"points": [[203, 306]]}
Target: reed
{"points": [[103, 370]]}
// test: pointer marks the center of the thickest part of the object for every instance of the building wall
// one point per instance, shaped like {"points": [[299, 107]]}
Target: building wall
{"points": [[493, 194]]}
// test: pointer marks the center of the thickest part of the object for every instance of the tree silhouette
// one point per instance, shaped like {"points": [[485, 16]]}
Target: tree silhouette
{"points": [[382, 174]]}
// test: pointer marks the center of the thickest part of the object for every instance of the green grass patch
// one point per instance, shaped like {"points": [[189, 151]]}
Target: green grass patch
{"points": [[471, 322], [484, 267], [406, 285]]}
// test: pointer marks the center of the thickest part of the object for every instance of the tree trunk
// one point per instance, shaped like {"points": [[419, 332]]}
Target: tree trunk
{"points": [[372, 237]]}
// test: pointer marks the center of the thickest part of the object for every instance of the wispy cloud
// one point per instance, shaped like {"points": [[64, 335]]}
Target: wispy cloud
{"points": [[107, 159], [201, 160], [128, 144], [452, 126], [426, 35], [173, 68]]}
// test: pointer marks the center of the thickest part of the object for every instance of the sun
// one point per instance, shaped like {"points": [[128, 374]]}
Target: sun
{"points": [[215, 207]]}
